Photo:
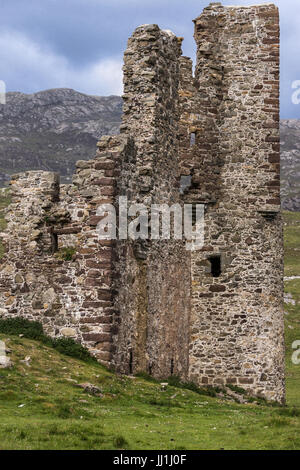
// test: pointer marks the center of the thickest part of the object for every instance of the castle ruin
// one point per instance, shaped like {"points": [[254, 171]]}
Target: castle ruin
{"points": [[212, 316]]}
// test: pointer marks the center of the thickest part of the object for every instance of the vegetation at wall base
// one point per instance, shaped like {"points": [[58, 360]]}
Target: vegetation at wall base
{"points": [[34, 330], [44, 406], [66, 253]]}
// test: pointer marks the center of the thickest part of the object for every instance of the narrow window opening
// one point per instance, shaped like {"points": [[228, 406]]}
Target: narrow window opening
{"points": [[54, 242], [194, 215], [130, 363], [172, 366], [192, 139], [185, 183], [150, 369], [215, 262], [268, 215]]}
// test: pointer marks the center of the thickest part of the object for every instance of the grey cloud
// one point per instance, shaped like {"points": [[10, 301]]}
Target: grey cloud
{"points": [[82, 34]]}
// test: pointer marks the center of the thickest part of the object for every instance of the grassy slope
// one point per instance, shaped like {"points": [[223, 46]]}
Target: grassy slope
{"points": [[292, 243], [292, 268], [132, 414], [136, 413], [4, 202]]}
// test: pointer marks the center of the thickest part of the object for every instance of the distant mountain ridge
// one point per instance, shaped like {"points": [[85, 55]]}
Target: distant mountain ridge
{"points": [[52, 129], [290, 164]]}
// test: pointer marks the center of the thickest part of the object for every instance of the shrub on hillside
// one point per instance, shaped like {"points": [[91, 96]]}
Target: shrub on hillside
{"points": [[34, 330]]}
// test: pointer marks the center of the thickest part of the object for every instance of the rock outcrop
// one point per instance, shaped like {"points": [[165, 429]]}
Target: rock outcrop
{"points": [[290, 164], [212, 312], [52, 129]]}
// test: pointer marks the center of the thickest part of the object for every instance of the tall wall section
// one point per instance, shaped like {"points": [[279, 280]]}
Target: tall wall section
{"points": [[55, 269], [213, 316], [128, 301], [237, 278], [153, 298]]}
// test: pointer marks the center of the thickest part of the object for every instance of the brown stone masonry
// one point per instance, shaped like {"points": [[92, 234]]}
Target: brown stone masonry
{"points": [[213, 316], [237, 313]]}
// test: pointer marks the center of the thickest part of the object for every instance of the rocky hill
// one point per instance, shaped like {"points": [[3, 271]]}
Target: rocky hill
{"points": [[290, 164], [52, 129]]}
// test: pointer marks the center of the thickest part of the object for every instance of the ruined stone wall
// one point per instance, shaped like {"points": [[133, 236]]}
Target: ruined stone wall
{"points": [[237, 314], [128, 302], [154, 287], [69, 292], [213, 316]]}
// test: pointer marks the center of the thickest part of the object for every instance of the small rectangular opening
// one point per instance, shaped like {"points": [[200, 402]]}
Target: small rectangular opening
{"points": [[191, 213], [215, 263], [194, 215], [192, 139], [54, 242], [269, 215], [185, 183], [130, 363]]}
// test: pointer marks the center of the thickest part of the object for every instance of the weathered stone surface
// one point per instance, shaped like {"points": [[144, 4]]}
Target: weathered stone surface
{"points": [[90, 388], [68, 332], [232, 107], [5, 362], [213, 316]]}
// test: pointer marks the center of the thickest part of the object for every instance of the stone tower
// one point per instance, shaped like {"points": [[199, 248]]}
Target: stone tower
{"points": [[212, 316], [232, 107]]}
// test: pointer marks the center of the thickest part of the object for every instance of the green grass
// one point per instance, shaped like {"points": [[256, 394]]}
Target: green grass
{"points": [[292, 243], [4, 202], [138, 413], [34, 330], [292, 319], [292, 334], [131, 413]]}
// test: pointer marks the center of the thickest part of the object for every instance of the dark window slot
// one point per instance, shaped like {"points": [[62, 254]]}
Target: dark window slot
{"points": [[172, 366], [192, 139], [185, 183], [130, 362], [215, 262], [54, 242], [194, 215]]}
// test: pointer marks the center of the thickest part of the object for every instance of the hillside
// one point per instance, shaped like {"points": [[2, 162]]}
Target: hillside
{"points": [[52, 129], [42, 406], [292, 301], [290, 164]]}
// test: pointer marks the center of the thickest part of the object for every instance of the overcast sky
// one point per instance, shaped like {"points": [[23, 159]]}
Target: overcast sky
{"points": [[80, 43]]}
